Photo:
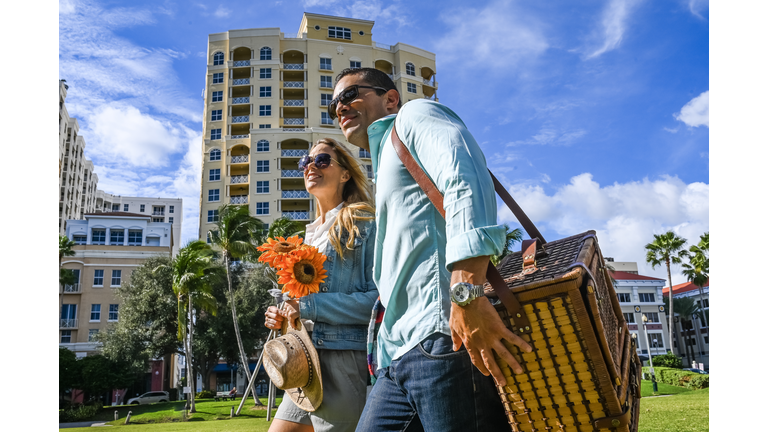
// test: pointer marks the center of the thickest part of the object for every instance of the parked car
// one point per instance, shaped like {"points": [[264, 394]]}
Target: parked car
{"points": [[699, 371], [150, 397]]}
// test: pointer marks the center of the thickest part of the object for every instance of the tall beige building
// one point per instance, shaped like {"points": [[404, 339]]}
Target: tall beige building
{"points": [[266, 95]]}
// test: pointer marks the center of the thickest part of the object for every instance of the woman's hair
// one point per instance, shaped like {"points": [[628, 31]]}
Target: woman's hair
{"points": [[356, 196]]}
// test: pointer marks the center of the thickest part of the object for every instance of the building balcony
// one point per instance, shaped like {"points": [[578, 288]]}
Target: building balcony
{"points": [[296, 215], [240, 119], [240, 159], [238, 179], [364, 154], [241, 100], [239, 136], [293, 103], [241, 81], [293, 84], [241, 63], [291, 173], [294, 153], [289, 129], [158, 213], [238, 199], [72, 289], [295, 194], [382, 46], [68, 323], [293, 66], [293, 121]]}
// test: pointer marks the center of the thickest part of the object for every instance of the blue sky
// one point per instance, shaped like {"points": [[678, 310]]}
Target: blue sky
{"points": [[595, 114]]}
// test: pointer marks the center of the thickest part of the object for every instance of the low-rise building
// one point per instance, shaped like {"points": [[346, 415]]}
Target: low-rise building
{"points": [[642, 296], [698, 336]]}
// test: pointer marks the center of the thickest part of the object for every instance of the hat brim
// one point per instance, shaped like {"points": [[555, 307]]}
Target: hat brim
{"points": [[310, 397]]}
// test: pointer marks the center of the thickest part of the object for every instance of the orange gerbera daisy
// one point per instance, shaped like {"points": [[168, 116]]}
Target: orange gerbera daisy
{"points": [[304, 275], [278, 251]]}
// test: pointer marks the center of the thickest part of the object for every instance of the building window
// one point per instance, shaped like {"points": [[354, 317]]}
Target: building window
{"points": [[410, 69], [325, 64], [215, 155], [170, 220], [339, 33], [80, 240], [92, 334], [262, 208], [363, 153], [266, 53], [218, 78], [95, 312], [692, 341], [369, 168], [706, 303], [647, 297], [113, 312], [170, 209], [265, 91], [265, 73], [215, 115], [325, 99], [134, 238], [141, 208], [411, 88], [653, 317], [214, 174], [265, 126], [265, 110], [215, 134], [218, 59], [117, 275], [115, 207], [354, 64], [66, 336], [213, 216], [655, 340], [157, 219], [325, 118], [213, 195], [217, 96], [98, 278], [125, 207], [629, 318], [326, 82], [706, 340], [625, 297], [262, 146], [262, 166], [116, 236], [262, 187]]}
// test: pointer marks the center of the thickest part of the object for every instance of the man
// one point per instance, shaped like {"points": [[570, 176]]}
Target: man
{"points": [[427, 343]]}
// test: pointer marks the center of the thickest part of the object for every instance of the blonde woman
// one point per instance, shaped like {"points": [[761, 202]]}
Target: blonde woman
{"points": [[345, 231]]}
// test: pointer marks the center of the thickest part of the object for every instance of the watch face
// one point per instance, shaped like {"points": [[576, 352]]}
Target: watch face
{"points": [[460, 293]]}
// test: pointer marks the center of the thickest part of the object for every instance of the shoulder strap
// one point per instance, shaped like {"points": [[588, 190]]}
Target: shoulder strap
{"points": [[513, 306]]}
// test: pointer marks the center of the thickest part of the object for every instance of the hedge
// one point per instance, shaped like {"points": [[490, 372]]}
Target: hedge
{"points": [[205, 394], [78, 413], [680, 378], [668, 360]]}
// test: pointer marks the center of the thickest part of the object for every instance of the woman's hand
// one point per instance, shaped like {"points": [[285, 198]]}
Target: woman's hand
{"points": [[274, 317]]}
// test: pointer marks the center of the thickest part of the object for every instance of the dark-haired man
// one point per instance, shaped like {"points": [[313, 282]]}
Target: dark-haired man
{"points": [[425, 379]]}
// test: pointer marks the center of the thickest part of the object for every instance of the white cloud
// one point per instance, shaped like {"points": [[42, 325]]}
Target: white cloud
{"points": [[697, 7], [624, 215], [549, 135], [696, 112], [222, 12], [614, 23]]}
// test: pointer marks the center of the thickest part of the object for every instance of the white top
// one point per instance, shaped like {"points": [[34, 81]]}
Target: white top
{"points": [[317, 231]]}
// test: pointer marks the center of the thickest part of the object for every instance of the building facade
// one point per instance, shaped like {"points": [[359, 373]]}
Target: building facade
{"points": [[698, 336], [642, 296], [266, 95]]}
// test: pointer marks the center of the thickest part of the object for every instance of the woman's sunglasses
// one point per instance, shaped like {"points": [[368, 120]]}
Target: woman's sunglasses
{"points": [[347, 96], [322, 161]]}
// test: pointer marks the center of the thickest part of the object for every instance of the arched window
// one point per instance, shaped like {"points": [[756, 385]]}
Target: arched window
{"points": [[215, 154], [218, 59], [262, 146], [410, 69], [266, 53]]}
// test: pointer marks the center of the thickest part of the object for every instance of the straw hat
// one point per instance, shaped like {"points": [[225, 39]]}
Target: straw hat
{"points": [[293, 365]]}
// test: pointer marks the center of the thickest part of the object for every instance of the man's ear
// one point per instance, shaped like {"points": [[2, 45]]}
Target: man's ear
{"points": [[393, 98]]}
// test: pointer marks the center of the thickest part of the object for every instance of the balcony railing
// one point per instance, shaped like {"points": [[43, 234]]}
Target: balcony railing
{"points": [[364, 154], [293, 130], [433, 97], [291, 173], [68, 323], [392, 77], [240, 119], [293, 84], [294, 153], [239, 63], [293, 121], [293, 66], [240, 159], [293, 103], [430, 83], [241, 81], [239, 136], [296, 215], [241, 100], [236, 179], [382, 46], [294, 35], [295, 194], [72, 289], [158, 213], [238, 199]]}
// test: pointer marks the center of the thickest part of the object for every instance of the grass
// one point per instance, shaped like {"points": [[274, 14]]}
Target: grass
{"points": [[684, 412], [646, 389]]}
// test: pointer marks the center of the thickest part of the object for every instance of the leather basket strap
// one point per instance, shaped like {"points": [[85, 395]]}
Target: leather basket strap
{"points": [[522, 324]]}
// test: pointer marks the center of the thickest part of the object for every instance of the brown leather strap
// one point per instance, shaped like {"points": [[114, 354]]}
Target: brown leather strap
{"points": [[522, 325]]}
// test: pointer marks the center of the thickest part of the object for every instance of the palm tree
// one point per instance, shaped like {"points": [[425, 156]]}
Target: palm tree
{"points": [[235, 234], [194, 272], [513, 236], [66, 277], [284, 227], [687, 309], [666, 249], [697, 269]]}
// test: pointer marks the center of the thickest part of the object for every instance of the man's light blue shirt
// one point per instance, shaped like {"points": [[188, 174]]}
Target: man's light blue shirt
{"points": [[415, 246]]}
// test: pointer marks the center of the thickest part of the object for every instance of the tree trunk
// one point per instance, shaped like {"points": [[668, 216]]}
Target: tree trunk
{"points": [[671, 299], [243, 357], [688, 342], [191, 379], [703, 318]]}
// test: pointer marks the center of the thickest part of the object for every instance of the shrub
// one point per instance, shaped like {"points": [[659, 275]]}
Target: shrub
{"points": [[78, 412], [668, 360], [680, 378], [205, 394]]}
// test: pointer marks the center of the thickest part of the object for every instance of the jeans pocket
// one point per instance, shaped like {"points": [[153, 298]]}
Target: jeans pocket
{"points": [[440, 346]]}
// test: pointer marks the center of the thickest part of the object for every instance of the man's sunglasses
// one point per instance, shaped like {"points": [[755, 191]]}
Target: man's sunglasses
{"points": [[322, 161], [347, 96]]}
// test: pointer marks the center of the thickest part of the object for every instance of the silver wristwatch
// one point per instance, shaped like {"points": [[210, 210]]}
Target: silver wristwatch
{"points": [[462, 293]]}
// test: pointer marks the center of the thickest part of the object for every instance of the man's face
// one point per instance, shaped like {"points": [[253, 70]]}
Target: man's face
{"points": [[355, 118]]}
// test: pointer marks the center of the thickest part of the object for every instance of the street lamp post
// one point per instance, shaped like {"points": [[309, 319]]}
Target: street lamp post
{"points": [[650, 356]]}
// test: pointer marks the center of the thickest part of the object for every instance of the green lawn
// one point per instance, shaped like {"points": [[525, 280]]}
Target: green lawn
{"points": [[685, 412], [664, 389]]}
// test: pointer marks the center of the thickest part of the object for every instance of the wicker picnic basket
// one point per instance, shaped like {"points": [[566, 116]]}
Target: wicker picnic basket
{"points": [[583, 373]]}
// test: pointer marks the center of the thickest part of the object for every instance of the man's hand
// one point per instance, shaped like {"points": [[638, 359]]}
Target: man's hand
{"points": [[274, 317]]}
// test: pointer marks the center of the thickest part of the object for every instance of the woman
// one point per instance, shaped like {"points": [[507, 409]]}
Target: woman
{"points": [[345, 232]]}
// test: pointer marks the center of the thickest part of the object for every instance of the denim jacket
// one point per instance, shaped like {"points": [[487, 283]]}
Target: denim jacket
{"points": [[342, 308]]}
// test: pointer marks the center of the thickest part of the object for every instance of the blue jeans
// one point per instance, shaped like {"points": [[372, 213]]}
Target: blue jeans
{"points": [[433, 388]]}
